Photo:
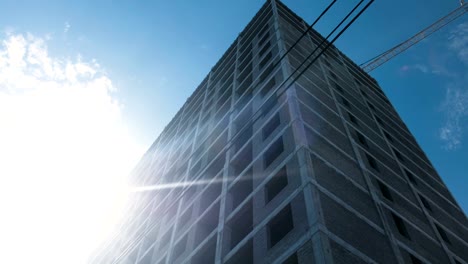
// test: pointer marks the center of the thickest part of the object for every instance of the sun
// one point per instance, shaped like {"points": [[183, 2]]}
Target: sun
{"points": [[65, 154]]}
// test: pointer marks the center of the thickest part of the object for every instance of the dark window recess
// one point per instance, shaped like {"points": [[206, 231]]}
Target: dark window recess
{"points": [[411, 177], [244, 86], [357, 82], [273, 152], [264, 49], [262, 31], [398, 155], [333, 75], [442, 233], [209, 195], [184, 219], [385, 191], [371, 106], [268, 87], [207, 224], [267, 71], [271, 126], [362, 140], [165, 239], [415, 260], [264, 38], [243, 136], [206, 255], [327, 62], [456, 261], [379, 120], [425, 202], [400, 225], [265, 60], [195, 169], [269, 104], [291, 259], [241, 189], [388, 136], [276, 184], [187, 196], [179, 248], [242, 160], [372, 162], [280, 225], [338, 87], [245, 98], [345, 102], [352, 118], [205, 119], [244, 255], [215, 167], [364, 93], [241, 225]]}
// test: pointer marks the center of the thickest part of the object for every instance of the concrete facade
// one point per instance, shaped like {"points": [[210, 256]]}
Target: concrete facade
{"points": [[319, 170]]}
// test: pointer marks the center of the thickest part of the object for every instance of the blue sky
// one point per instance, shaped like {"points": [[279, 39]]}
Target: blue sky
{"points": [[156, 52]]}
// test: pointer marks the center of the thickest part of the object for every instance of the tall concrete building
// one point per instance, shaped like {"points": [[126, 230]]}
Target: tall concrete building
{"points": [[320, 169]]}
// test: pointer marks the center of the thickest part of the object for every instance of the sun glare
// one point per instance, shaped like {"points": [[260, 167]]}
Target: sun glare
{"points": [[64, 154]]}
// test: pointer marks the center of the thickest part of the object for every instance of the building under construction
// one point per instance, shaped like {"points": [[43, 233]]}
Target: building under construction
{"points": [[273, 160]]}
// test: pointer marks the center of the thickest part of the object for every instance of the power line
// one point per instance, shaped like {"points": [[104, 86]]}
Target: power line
{"points": [[254, 117], [321, 43], [304, 34]]}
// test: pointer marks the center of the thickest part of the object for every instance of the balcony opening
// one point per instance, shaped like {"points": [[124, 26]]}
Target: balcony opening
{"points": [[180, 247], [275, 150], [280, 226], [411, 177], [425, 202], [276, 184], [241, 225], [210, 194], [206, 255], [400, 225], [372, 162], [244, 255], [207, 224], [353, 119], [415, 260], [443, 235], [385, 191], [185, 218], [291, 259], [242, 160], [362, 140], [271, 126], [241, 189]]}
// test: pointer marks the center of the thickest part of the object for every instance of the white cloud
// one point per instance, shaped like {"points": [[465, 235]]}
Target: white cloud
{"points": [[67, 27], [65, 152]]}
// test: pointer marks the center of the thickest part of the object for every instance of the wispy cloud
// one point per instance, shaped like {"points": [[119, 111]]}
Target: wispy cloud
{"points": [[455, 107], [455, 104], [459, 42], [64, 152], [66, 27], [416, 67]]}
